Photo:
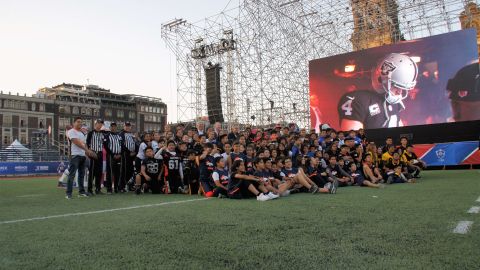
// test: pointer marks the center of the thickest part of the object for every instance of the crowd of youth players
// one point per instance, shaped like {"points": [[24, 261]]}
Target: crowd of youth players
{"points": [[265, 164]]}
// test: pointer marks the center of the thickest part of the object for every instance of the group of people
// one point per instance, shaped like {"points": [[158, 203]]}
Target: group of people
{"points": [[255, 162]]}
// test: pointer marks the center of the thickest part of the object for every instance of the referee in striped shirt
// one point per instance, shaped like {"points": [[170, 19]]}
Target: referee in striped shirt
{"points": [[128, 156], [95, 141], [113, 145]]}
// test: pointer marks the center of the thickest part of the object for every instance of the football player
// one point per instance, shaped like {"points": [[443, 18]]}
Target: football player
{"points": [[150, 174], [392, 79]]}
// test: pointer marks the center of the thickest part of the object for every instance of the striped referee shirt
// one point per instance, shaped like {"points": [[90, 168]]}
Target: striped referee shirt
{"points": [[95, 140], [114, 143], [129, 141]]}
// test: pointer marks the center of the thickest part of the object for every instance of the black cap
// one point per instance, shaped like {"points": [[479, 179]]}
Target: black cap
{"points": [[128, 124], [113, 124], [99, 121]]}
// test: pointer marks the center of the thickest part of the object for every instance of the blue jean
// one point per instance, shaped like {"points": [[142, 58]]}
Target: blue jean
{"points": [[77, 163]]}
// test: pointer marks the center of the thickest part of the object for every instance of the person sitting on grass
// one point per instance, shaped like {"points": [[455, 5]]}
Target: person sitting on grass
{"points": [[318, 175], [397, 177], [243, 186], [358, 178], [267, 177], [296, 178], [396, 161], [370, 171], [220, 178], [150, 174], [337, 174]]}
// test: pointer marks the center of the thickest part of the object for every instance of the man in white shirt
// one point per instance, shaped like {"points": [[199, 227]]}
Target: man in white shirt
{"points": [[77, 161]]}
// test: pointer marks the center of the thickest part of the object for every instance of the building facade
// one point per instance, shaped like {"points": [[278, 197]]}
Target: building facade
{"points": [[52, 109]]}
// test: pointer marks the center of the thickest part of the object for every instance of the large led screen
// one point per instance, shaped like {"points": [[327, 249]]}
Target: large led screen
{"points": [[424, 81]]}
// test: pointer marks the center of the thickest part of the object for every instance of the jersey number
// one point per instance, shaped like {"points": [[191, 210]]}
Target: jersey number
{"points": [[173, 164], [347, 107]]}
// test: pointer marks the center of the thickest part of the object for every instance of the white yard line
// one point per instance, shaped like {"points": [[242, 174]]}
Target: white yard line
{"points": [[474, 210], [463, 227], [98, 211], [31, 195]]}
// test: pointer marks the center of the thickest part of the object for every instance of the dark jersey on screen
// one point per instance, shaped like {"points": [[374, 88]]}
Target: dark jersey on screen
{"points": [[369, 108]]}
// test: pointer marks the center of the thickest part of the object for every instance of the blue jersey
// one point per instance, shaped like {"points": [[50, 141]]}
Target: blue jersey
{"points": [[249, 166], [206, 167], [235, 156], [220, 175], [265, 175], [289, 172]]}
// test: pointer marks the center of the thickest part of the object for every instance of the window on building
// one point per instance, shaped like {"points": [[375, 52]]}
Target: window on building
{"points": [[88, 111], [83, 111], [131, 115], [41, 107], [67, 109], [75, 110], [96, 112], [120, 113], [7, 120], [34, 106], [23, 138], [142, 108], [108, 113]]}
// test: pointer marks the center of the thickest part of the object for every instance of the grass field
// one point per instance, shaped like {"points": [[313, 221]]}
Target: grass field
{"points": [[404, 226]]}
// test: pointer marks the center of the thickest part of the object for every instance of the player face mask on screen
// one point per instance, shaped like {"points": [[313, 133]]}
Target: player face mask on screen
{"points": [[397, 74]]}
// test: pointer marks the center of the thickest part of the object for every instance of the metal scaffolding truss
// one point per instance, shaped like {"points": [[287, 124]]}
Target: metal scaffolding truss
{"points": [[264, 79]]}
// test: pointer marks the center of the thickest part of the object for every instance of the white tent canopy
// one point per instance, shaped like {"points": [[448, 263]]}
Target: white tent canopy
{"points": [[17, 152]]}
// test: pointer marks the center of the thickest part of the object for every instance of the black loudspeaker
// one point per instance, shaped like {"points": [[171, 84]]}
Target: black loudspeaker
{"points": [[214, 100]]}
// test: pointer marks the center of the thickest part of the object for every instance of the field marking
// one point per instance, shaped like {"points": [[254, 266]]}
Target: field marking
{"points": [[30, 195], [463, 227], [98, 211], [474, 210]]}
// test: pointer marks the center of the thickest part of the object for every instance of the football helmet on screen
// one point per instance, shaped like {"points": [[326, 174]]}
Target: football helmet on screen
{"points": [[395, 75]]}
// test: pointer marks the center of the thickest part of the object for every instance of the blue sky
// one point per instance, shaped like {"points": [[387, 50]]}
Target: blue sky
{"points": [[115, 44]]}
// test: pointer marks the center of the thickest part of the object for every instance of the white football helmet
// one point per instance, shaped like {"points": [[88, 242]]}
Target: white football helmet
{"points": [[395, 72]]}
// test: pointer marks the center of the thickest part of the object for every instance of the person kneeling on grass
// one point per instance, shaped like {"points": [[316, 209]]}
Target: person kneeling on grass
{"points": [[150, 174], [358, 178], [242, 186], [398, 177], [220, 178]]}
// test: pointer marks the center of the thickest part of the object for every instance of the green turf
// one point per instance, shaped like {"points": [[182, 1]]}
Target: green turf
{"points": [[407, 226]]}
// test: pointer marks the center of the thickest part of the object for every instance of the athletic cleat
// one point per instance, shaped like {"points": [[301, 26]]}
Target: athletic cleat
{"points": [[99, 192], [333, 187], [221, 196], [68, 197], [83, 195], [273, 195], [313, 189], [138, 191], [262, 197]]}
